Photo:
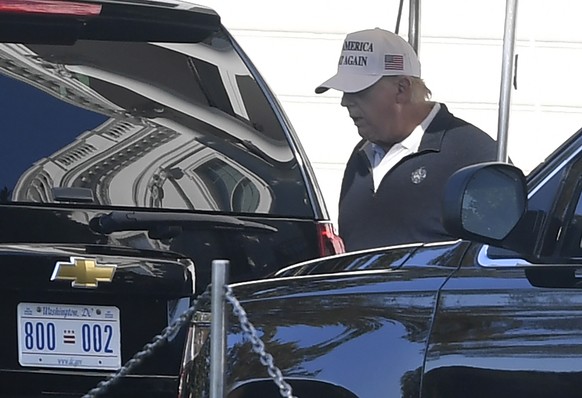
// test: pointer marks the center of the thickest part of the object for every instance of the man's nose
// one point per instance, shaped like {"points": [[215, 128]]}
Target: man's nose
{"points": [[346, 99]]}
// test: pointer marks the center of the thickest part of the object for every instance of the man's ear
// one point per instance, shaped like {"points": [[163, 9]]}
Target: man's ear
{"points": [[404, 93]]}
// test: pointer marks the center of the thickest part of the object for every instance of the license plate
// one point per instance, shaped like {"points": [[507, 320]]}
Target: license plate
{"points": [[68, 336]]}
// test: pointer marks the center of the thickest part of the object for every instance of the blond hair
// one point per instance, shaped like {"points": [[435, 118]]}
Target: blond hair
{"points": [[420, 92]]}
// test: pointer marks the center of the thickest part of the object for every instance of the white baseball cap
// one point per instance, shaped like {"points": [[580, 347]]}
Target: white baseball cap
{"points": [[366, 56]]}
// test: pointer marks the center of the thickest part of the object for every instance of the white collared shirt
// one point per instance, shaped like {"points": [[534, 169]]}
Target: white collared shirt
{"points": [[382, 162]]}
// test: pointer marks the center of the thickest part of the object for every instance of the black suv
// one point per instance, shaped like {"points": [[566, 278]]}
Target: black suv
{"points": [[495, 314], [139, 144]]}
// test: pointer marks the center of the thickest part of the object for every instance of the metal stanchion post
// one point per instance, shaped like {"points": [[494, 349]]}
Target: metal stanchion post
{"points": [[218, 328]]}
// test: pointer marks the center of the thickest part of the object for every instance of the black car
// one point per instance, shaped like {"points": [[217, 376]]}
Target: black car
{"points": [[139, 143], [495, 314]]}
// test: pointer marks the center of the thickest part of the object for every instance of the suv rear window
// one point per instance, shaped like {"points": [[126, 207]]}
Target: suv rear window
{"points": [[143, 125]]}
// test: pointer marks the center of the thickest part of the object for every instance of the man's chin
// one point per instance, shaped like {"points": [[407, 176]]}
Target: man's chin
{"points": [[365, 134]]}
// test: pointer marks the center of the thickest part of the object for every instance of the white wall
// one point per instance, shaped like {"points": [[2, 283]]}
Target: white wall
{"points": [[295, 45]]}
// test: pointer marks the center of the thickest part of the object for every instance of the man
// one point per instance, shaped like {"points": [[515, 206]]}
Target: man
{"points": [[393, 182]]}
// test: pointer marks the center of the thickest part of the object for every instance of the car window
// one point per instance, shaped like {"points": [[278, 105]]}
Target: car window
{"points": [[572, 246], [556, 194], [568, 214], [146, 125]]}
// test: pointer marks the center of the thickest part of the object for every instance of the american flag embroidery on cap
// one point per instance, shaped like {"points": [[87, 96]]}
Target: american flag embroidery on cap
{"points": [[393, 62]]}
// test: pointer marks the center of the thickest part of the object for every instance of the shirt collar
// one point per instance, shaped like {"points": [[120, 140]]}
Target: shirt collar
{"points": [[412, 142]]}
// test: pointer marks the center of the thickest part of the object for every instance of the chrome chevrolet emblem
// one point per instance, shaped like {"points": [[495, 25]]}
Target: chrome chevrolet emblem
{"points": [[84, 272]]}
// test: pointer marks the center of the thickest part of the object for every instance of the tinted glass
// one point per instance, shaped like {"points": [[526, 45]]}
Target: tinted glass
{"points": [[148, 125]]}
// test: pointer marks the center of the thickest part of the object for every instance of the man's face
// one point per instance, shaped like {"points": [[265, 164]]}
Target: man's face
{"points": [[375, 111]]}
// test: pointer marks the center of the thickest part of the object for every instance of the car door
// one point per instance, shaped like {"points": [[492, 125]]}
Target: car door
{"points": [[497, 334], [508, 327]]}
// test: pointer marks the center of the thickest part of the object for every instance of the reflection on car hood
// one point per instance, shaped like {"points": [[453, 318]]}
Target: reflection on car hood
{"points": [[441, 253]]}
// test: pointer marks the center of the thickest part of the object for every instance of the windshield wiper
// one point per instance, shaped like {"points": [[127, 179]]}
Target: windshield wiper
{"points": [[163, 226]]}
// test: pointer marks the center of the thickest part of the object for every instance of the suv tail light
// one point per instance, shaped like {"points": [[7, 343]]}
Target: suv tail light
{"points": [[53, 7], [329, 241]]}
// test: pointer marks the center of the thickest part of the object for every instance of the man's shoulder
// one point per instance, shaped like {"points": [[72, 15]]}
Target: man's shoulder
{"points": [[460, 136], [459, 127]]}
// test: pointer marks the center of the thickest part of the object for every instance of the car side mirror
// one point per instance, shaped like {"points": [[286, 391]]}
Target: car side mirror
{"points": [[484, 202]]}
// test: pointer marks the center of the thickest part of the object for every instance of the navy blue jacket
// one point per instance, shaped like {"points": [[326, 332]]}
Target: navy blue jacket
{"points": [[406, 208]]}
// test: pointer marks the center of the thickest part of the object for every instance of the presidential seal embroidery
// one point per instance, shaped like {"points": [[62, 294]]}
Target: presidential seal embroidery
{"points": [[418, 175]]}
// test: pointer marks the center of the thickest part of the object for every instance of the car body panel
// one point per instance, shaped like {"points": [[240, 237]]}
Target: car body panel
{"points": [[138, 134], [419, 331], [504, 320], [495, 334], [145, 285], [447, 254], [114, 123], [315, 324], [359, 314], [254, 252]]}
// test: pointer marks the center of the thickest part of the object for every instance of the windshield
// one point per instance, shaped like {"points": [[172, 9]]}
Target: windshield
{"points": [[141, 124]]}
